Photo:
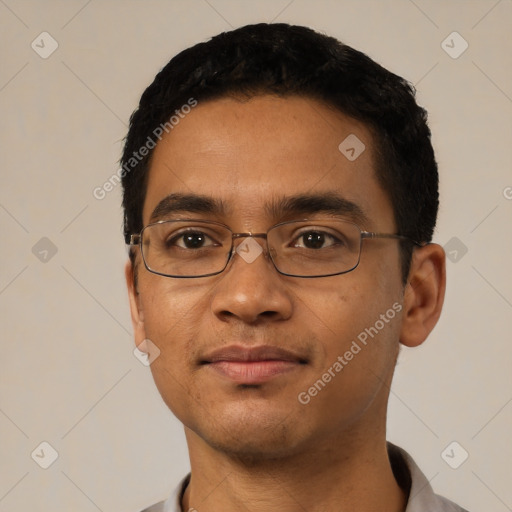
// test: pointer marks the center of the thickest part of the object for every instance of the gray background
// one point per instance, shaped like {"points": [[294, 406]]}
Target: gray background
{"points": [[67, 371]]}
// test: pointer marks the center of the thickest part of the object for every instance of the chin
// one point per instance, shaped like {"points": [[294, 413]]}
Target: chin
{"points": [[252, 438], [253, 451]]}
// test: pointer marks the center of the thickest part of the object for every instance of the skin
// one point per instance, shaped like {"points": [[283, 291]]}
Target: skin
{"points": [[259, 448]]}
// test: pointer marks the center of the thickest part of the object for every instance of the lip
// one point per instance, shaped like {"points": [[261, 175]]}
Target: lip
{"points": [[252, 365]]}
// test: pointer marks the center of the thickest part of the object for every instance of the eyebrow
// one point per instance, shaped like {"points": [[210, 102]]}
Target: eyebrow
{"points": [[180, 203], [308, 204], [280, 209]]}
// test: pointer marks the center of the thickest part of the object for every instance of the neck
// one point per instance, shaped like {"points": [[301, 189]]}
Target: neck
{"points": [[331, 475]]}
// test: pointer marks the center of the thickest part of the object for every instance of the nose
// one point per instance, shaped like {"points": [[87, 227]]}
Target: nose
{"points": [[250, 289]]}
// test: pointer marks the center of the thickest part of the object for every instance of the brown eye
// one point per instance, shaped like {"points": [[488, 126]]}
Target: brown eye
{"points": [[190, 240], [315, 239]]}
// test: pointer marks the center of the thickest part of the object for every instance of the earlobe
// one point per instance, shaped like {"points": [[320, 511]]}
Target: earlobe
{"points": [[136, 310], [424, 294]]}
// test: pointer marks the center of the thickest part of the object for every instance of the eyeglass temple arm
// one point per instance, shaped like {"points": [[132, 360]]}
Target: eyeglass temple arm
{"points": [[134, 239], [369, 234]]}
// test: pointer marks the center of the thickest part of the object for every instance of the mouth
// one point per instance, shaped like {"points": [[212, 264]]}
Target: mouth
{"points": [[252, 365]]}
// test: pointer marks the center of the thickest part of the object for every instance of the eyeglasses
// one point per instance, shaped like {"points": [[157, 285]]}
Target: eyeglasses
{"points": [[189, 248]]}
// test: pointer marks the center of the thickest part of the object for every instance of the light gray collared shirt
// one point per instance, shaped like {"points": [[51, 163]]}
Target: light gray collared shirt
{"points": [[407, 473]]}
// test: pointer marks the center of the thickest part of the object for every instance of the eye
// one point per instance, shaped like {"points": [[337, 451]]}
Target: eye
{"points": [[315, 239], [190, 240]]}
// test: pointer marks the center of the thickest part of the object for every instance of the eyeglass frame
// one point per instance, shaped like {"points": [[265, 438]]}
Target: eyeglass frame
{"points": [[136, 240]]}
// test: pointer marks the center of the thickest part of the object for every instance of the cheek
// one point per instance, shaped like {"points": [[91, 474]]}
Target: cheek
{"points": [[359, 335], [167, 302], [359, 321], [172, 316]]}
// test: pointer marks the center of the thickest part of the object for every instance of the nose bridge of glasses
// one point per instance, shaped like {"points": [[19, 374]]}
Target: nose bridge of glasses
{"points": [[248, 235], [236, 236], [242, 237]]}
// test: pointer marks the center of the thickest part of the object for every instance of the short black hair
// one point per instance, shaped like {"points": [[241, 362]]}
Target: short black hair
{"points": [[288, 60]]}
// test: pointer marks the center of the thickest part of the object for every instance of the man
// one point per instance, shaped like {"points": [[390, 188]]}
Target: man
{"points": [[280, 195]]}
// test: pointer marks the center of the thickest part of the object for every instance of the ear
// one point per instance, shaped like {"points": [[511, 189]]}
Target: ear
{"points": [[424, 294], [136, 310]]}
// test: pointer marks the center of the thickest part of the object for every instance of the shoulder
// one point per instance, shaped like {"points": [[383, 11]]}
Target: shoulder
{"points": [[422, 497], [157, 507], [173, 503], [449, 506]]}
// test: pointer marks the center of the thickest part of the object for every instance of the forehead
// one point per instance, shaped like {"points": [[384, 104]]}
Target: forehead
{"points": [[251, 153]]}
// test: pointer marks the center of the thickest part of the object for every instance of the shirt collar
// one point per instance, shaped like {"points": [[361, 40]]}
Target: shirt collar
{"points": [[407, 473]]}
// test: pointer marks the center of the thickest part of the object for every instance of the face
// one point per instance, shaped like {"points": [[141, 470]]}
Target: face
{"points": [[245, 156]]}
